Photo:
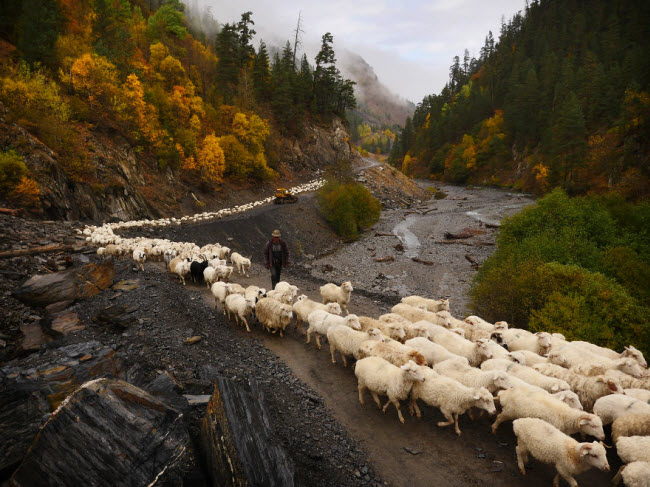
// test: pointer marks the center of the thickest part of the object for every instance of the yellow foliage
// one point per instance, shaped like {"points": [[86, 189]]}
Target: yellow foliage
{"points": [[407, 164], [541, 176], [26, 192], [469, 152], [95, 77], [142, 116], [157, 52], [172, 71], [32, 95], [211, 160]]}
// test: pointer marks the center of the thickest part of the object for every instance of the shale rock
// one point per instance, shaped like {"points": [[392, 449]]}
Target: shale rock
{"points": [[33, 387], [108, 432], [87, 281], [237, 442]]}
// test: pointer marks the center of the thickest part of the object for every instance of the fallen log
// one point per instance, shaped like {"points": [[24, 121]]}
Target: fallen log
{"points": [[390, 258], [425, 262], [381, 234], [43, 249], [471, 259], [459, 242], [9, 211]]}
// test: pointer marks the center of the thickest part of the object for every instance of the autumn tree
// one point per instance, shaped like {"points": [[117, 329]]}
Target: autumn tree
{"points": [[40, 25]]}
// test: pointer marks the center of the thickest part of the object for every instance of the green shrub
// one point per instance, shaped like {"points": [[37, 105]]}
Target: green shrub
{"points": [[12, 170], [348, 208], [578, 266]]}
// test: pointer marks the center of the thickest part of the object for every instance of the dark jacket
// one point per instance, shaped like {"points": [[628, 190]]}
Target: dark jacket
{"points": [[268, 251]]}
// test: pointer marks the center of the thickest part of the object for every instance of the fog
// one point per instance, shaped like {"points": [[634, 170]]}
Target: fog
{"points": [[409, 44]]}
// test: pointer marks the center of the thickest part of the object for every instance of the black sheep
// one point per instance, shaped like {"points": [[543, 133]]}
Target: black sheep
{"points": [[196, 270]]}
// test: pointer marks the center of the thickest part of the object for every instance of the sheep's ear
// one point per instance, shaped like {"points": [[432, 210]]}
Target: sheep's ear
{"points": [[600, 379], [612, 386], [555, 388], [585, 448], [477, 397]]}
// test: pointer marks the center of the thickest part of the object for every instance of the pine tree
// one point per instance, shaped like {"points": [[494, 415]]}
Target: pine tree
{"points": [[262, 75], [40, 23], [227, 43], [569, 142]]}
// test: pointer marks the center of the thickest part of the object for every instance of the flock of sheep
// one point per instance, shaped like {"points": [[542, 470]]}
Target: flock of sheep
{"points": [[550, 387]]}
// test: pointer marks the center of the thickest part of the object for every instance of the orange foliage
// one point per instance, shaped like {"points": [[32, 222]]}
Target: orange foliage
{"points": [[211, 160], [95, 77], [135, 110], [26, 193]]}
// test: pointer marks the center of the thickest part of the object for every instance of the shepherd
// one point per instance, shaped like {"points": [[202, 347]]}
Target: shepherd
{"points": [[276, 256]]}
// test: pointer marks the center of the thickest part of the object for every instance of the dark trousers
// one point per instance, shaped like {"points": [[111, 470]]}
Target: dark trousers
{"points": [[275, 274]]}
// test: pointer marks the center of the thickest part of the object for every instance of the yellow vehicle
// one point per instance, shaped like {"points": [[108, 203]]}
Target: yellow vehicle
{"points": [[283, 195]]}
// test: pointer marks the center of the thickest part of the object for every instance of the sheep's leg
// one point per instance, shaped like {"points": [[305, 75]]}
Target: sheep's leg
{"points": [[399, 411], [332, 352], [522, 457], [449, 417], [376, 398], [567, 476], [246, 323], [456, 424], [345, 308], [500, 419], [345, 362], [361, 389], [413, 407], [317, 340], [183, 279], [308, 334]]}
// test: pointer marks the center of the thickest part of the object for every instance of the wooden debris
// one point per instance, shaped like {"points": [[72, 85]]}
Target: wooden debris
{"points": [[459, 242], [492, 225], [382, 234], [9, 211], [193, 340], [472, 261], [390, 258], [40, 250], [399, 247], [425, 262]]}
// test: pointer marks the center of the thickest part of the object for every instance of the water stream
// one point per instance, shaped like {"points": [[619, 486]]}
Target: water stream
{"points": [[409, 240]]}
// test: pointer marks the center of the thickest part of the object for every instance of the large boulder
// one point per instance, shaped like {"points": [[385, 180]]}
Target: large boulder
{"points": [[33, 387], [237, 442], [109, 432], [84, 282]]}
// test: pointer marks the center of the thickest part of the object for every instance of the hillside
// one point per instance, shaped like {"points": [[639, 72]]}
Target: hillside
{"points": [[560, 99], [117, 110]]}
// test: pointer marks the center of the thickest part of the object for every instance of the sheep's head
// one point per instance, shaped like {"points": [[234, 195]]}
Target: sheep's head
{"points": [[301, 297], [353, 322], [412, 371], [558, 359], [484, 400], [632, 352], [334, 308], [501, 325], [590, 424], [570, 398], [630, 366], [501, 380], [497, 337], [396, 331], [286, 314], [483, 348], [458, 331], [517, 357], [444, 318], [347, 286], [376, 335], [544, 342], [593, 454], [444, 305], [609, 385], [365, 350]]}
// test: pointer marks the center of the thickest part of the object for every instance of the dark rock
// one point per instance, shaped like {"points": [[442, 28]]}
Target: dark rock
{"points": [[135, 375], [236, 439], [33, 336], [33, 387], [163, 385], [103, 445], [45, 289], [128, 285], [58, 307], [119, 316], [66, 322]]}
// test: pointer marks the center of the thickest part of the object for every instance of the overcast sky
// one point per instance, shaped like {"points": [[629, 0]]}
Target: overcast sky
{"points": [[410, 44]]}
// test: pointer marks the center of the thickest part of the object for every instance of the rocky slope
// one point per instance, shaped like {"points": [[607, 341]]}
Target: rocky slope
{"points": [[127, 184]]}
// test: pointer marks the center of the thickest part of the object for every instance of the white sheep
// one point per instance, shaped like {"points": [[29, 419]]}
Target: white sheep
{"points": [[273, 315], [624, 365], [610, 407], [640, 394], [241, 263], [628, 351], [527, 374], [284, 296], [331, 293], [450, 396], [220, 291], [414, 314], [474, 352], [633, 448], [432, 352], [347, 341], [395, 318], [303, 306], [635, 474], [182, 270], [209, 276], [239, 307], [529, 358], [139, 256], [432, 305], [549, 444], [381, 377], [391, 330], [589, 389], [237, 289], [223, 272], [320, 321], [392, 351], [460, 370], [254, 293], [528, 403], [285, 287], [631, 425], [518, 339]]}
